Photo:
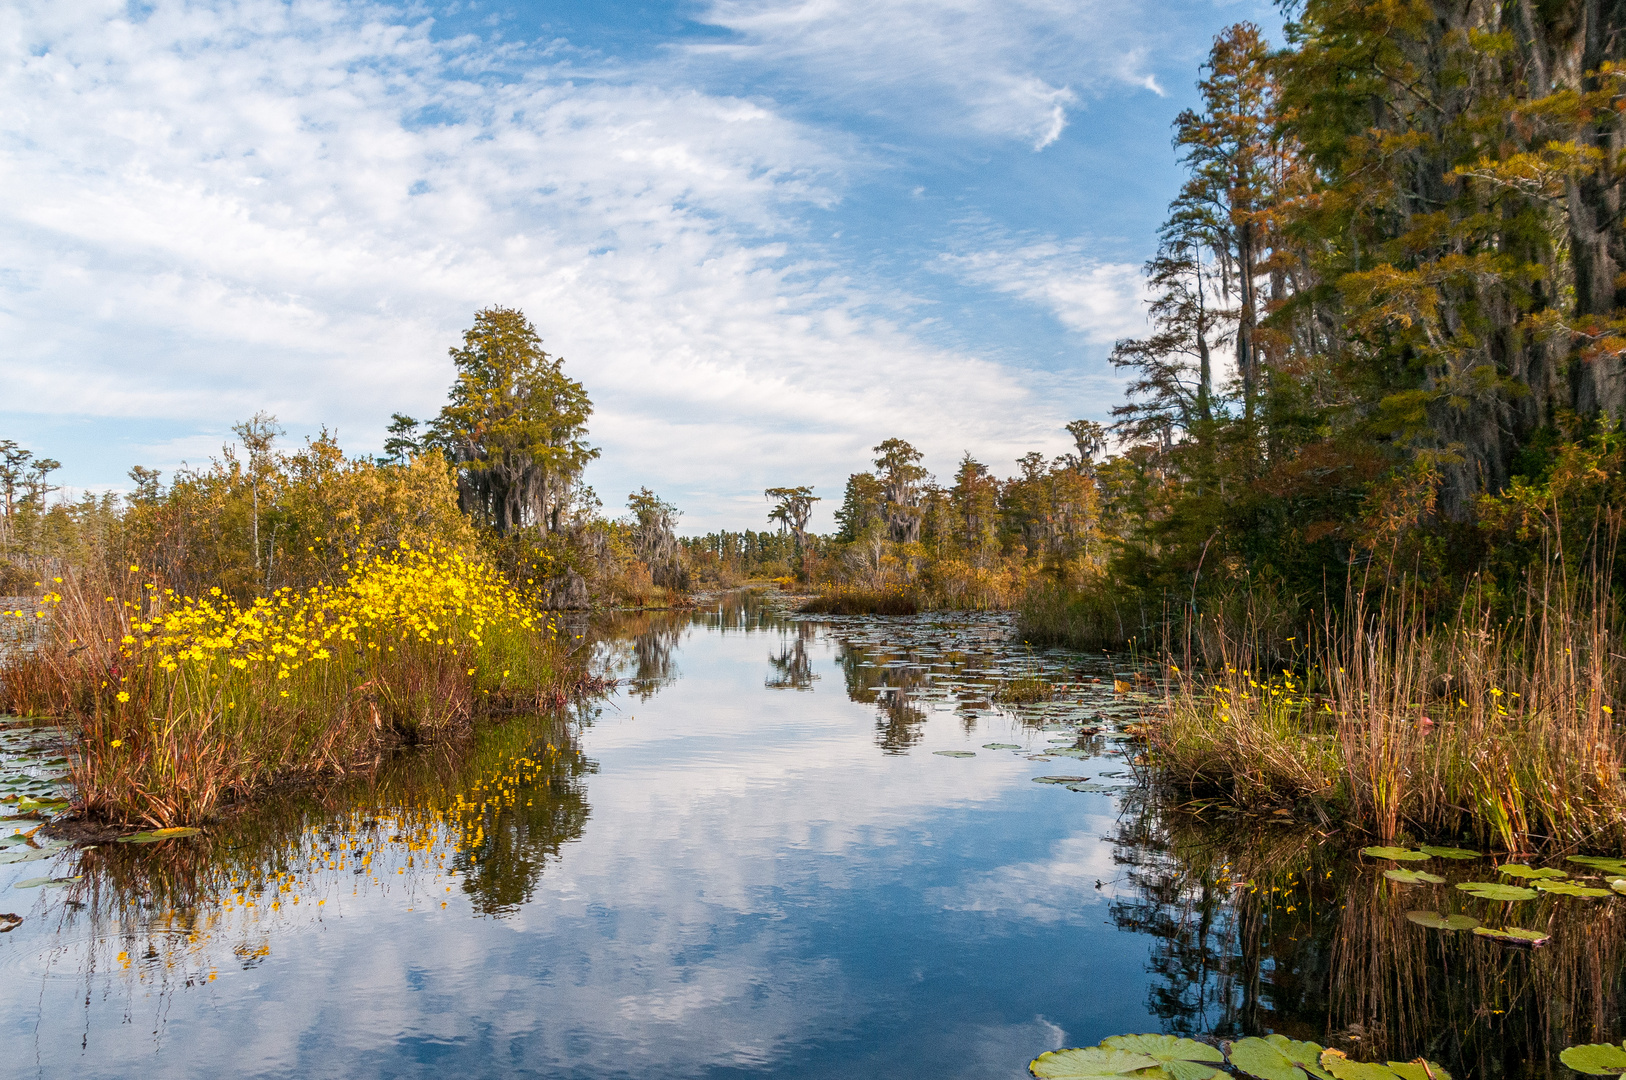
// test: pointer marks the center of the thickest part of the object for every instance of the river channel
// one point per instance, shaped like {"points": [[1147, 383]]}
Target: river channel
{"points": [[783, 847]]}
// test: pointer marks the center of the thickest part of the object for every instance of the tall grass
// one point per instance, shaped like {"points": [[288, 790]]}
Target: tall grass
{"points": [[1503, 730], [179, 703]]}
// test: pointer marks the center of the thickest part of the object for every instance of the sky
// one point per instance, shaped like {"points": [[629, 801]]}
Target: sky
{"points": [[765, 234]]}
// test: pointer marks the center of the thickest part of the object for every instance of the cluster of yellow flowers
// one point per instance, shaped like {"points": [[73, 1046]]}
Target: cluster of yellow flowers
{"points": [[434, 597]]}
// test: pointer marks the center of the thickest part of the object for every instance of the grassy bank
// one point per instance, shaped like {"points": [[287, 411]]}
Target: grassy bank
{"points": [[179, 703], [1503, 731]]}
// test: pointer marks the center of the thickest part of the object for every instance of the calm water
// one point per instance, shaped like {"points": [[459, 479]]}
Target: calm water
{"points": [[756, 860]]}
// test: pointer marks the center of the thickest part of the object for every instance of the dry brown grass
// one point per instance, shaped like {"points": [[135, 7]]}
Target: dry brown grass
{"points": [[1502, 730]]}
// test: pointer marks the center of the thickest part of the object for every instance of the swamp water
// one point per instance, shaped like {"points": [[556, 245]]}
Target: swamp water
{"points": [[789, 848]]}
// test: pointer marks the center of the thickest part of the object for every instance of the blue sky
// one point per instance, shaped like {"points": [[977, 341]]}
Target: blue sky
{"points": [[766, 234]]}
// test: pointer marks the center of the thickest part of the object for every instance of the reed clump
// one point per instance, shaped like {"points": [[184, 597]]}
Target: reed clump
{"points": [[1500, 729], [178, 703], [861, 600]]}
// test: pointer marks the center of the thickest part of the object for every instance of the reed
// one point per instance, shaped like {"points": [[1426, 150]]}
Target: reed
{"points": [[1502, 729], [180, 703]]}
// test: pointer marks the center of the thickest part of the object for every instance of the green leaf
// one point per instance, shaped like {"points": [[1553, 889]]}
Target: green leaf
{"points": [[1435, 920], [1339, 1065], [1090, 1061], [1398, 853], [1512, 935], [36, 882], [1165, 1048], [1449, 852], [1570, 888], [1520, 870], [1414, 1070], [1596, 1059], [1600, 862], [1276, 1057], [955, 753], [1619, 885], [23, 855], [1492, 890], [1059, 779], [1414, 877], [1000, 746], [155, 835]]}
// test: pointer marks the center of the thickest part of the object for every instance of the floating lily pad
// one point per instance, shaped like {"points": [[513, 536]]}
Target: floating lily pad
{"points": [[1414, 877], [1599, 862], [36, 882], [1435, 920], [23, 855], [1519, 870], [152, 836], [1415, 1070], [1449, 852], [1000, 746], [1596, 1059], [28, 803], [1493, 890], [955, 753], [1338, 1064], [1619, 885], [1276, 1057], [1068, 751], [1570, 888], [1513, 935], [1087, 1062], [1059, 779], [1096, 789], [1182, 1059], [1398, 853]]}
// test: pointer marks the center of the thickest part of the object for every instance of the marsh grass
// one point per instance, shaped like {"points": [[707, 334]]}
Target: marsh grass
{"points": [[179, 704], [860, 600], [1503, 730]]}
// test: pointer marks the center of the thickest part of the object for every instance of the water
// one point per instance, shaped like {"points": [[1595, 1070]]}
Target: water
{"points": [[757, 860]]}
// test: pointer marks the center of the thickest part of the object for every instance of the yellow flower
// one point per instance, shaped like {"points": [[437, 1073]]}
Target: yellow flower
{"points": [[124, 696], [117, 743]]}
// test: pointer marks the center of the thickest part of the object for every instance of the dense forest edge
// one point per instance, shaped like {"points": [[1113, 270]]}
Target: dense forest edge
{"points": [[1359, 504]]}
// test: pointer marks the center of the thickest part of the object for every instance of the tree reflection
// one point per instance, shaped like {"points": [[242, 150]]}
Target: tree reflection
{"points": [[1259, 927], [792, 668]]}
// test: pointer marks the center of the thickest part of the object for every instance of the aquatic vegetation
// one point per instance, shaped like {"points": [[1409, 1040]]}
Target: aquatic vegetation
{"points": [[1486, 726], [1400, 854], [1512, 935], [1491, 890], [188, 701], [1520, 870], [1414, 877], [1169, 1057], [1436, 920], [1596, 1059]]}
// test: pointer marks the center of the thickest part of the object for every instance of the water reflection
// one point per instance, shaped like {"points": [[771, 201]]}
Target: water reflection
{"points": [[728, 878]]}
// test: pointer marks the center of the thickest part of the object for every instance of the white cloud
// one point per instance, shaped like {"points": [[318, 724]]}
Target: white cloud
{"points": [[1009, 68], [1103, 301], [218, 208]]}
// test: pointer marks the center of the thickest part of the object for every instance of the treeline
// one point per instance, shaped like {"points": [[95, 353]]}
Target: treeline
{"points": [[1388, 315], [496, 476]]}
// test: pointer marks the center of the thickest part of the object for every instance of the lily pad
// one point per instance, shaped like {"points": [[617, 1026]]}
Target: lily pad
{"points": [[1069, 751], [955, 753], [1089, 1061], [1182, 1059], [1276, 1057], [1520, 870], [1414, 877], [1619, 885], [1096, 789], [1435, 920], [36, 882], [1513, 935], [23, 855], [1449, 852], [1599, 862], [1570, 888], [1338, 1064], [1059, 779], [1596, 1059], [1493, 890], [1398, 853], [1001, 746], [154, 835], [1415, 1070]]}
